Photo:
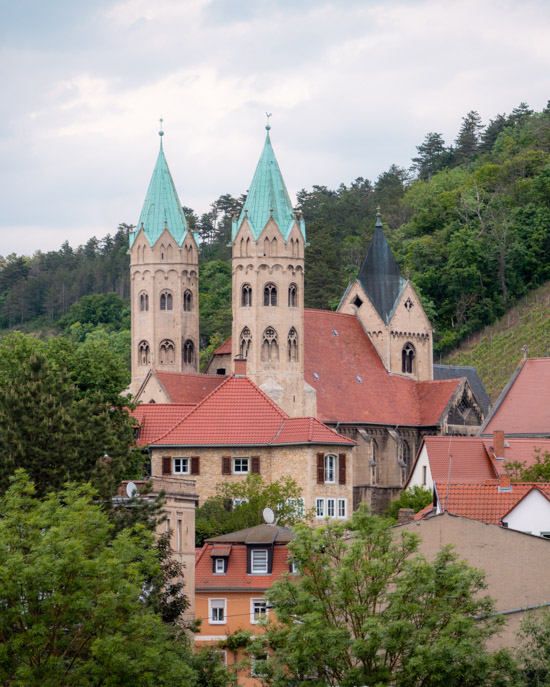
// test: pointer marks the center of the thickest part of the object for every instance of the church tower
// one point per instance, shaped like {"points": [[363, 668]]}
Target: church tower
{"points": [[268, 243], [164, 274], [391, 313]]}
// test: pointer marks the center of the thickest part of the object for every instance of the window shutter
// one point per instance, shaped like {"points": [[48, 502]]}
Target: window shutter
{"points": [[195, 465], [226, 465], [342, 468], [255, 465], [320, 468], [166, 465]]}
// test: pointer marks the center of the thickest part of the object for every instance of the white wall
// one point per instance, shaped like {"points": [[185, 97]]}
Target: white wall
{"points": [[532, 514], [418, 472]]}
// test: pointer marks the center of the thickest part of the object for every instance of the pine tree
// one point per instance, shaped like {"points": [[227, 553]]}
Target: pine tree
{"points": [[467, 141]]}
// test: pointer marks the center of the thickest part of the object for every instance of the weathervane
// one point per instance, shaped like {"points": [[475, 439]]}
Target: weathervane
{"points": [[268, 115]]}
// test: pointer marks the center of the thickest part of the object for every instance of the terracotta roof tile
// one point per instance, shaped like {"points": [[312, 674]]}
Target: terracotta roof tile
{"points": [[155, 419], [188, 388], [522, 450], [298, 430], [224, 349]]}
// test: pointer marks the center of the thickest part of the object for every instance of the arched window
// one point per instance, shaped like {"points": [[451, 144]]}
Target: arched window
{"points": [[292, 345], [406, 454], [188, 352], [166, 352], [292, 296], [144, 354], [373, 463], [330, 467], [274, 246], [143, 302], [246, 298], [166, 300], [187, 301], [267, 246], [245, 342], [270, 347], [270, 294], [407, 358]]}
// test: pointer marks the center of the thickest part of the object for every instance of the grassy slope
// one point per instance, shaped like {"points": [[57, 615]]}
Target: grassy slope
{"points": [[496, 351]]}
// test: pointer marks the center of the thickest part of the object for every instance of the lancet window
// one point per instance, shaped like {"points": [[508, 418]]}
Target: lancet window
{"points": [[187, 300], [144, 354], [166, 352], [407, 358], [143, 302], [292, 345], [292, 296], [270, 346], [166, 302], [245, 342], [188, 352], [246, 298], [270, 294]]}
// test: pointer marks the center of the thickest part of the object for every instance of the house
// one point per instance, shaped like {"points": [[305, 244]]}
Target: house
{"points": [[233, 572]]}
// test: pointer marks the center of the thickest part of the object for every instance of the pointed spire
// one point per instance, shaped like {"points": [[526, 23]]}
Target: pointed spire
{"points": [[379, 274], [162, 208], [267, 196]]}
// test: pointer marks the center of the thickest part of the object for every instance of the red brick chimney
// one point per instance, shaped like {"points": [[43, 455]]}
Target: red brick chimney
{"points": [[504, 482], [498, 444], [240, 367]]}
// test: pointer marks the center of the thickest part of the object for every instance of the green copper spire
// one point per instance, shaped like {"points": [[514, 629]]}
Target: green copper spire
{"points": [[267, 196], [162, 207]]}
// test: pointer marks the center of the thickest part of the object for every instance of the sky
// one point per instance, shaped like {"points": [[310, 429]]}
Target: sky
{"points": [[353, 87]]}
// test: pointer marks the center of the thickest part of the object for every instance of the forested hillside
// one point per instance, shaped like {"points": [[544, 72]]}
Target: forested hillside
{"points": [[469, 222]]}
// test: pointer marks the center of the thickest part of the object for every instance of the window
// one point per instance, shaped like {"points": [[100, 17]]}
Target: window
{"points": [[293, 567], [407, 358], [238, 502], [270, 347], [144, 354], [246, 298], [181, 466], [292, 296], [297, 505], [270, 294], [219, 566], [258, 610], [144, 302], [166, 352], [217, 611], [188, 352], [424, 475], [246, 340], [187, 301], [258, 666], [330, 468], [320, 508], [357, 302], [240, 466], [330, 508], [179, 533], [342, 508], [166, 300], [292, 345], [258, 562]]}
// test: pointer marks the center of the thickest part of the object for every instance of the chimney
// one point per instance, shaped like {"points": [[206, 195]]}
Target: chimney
{"points": [[504, 483], [498, 444], [405, 515], [240, 367]]}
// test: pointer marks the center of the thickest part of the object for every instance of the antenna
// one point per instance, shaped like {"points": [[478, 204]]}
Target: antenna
{"points": [[131, 489], [269, 516]]}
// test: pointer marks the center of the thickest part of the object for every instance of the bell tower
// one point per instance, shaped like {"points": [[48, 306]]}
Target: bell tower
{"points": [[164, 276], [268, 243]]}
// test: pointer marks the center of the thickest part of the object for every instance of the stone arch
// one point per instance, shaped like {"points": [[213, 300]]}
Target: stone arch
{"points": [[188, 352], [245, 342], [292, 345], [292, 295], [270, 294], [169, 252], [166, 300], [270, 345], [167, 352], [144, 353], [246, 295], [274, 246], [408, 356], [187, 300], [267, 247], [143, 301]]}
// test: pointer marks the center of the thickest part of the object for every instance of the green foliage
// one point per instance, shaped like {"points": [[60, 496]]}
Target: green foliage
{"points": [[210, 670], [218, 516], [416, 498], [533, 650], [369, 610], [538, 472], [215, 300], [72, 597], [106, 309]]}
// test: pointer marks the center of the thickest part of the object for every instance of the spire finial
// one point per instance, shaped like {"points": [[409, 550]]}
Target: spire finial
{"points": [[161, 132], [268, 125], [378, 217]]}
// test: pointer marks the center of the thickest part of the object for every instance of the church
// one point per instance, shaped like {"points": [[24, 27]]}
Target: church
{"points": [[338, 400]]}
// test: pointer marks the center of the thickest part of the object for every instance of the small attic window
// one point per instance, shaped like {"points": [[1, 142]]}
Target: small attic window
{"points": [[334, 332], [357, 302], [315, 375], [358, 378]]}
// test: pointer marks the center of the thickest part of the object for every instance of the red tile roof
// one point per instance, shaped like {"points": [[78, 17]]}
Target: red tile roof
{"points": [[224, 349], [522, 450], [524, 405], [155, 419], [239, 413], [484, 501], [334, 364], [188, 388]]}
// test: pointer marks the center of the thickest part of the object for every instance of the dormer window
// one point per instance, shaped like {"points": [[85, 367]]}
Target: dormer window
{"points": [[220, 566], [259, 562]]}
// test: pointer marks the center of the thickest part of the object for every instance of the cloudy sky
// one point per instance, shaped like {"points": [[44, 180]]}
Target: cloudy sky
{"points": [[353, 85]]}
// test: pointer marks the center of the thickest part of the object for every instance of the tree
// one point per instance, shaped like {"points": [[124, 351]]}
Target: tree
{"points": [[432, 156], [533, 651], [237, 506], [416, 498], [367, 609], [467, 141], [72, 597], [539, 471]]}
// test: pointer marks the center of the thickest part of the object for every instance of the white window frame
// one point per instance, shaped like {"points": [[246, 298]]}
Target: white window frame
{"points": [[293, 567], [258, 618], [265, 568], [253, 663], [298, 505], [181, 467], [320, 508], [238, 502], [342, 508], [219, 563], [331, 468], [331, 508], [217, 603], [241, 466]]}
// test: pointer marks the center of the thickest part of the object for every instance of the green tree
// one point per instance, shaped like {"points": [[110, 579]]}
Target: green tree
{"points": [[539, 471], [533, 650], [468, 139], [416, 498], [432, 156], [367, 609], [72, 596]]}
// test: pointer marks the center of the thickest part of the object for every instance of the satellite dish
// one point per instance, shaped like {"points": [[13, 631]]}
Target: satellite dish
{"points": [[269, 516], [131, 489]]}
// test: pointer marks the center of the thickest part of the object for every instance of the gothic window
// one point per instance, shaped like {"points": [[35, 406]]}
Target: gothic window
{"points": [[270, 294], [373, 463], [267, 247], [407, 358], [274, 246], [144, 355], [143, 302], [246, 340], [292, 296], [187, 301], [407, 455], [292, 345], [270, 347], [166, 352], [188, 352], [246, 299], [166, 300]]}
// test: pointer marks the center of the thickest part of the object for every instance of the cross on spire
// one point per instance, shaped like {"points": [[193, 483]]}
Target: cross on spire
{"points": [[268, 125]]}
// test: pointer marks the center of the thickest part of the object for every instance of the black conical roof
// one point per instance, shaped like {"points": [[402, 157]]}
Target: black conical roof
{"points": [[379, 274]]}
